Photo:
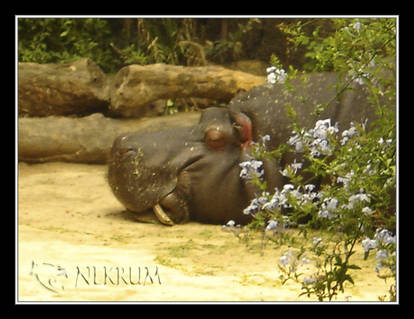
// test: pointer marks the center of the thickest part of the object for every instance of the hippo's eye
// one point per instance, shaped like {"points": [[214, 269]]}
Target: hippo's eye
{"points": [[215, 140]]}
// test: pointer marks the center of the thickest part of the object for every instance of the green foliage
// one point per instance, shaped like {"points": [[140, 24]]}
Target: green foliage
{"points": [[356, 199], [231, 45], [346, 44], [64, 40], [113, 43]]}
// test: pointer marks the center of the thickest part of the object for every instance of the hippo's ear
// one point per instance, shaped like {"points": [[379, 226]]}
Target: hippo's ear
{"points": [[243, 125]]}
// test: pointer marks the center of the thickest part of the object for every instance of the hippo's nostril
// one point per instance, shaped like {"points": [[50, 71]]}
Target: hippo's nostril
{"points": [[123, 151]]}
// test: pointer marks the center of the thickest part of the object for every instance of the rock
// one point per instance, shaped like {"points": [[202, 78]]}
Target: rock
{"points": [[135, 87], [61, 89], [87, 139]]}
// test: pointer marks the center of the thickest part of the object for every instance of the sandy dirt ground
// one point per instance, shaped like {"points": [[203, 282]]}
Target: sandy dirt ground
{"points": [[76, 243]]}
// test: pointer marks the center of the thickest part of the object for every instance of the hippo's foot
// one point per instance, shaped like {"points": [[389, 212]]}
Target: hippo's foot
{"points": [[171, 210]]}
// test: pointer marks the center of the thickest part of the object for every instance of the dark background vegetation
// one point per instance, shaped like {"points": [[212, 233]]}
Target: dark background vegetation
{"points": [[115, 42]]}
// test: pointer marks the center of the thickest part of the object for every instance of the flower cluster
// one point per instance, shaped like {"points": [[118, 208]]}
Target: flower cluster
{"points": [[316, 139], [382, 237], [287, 258], [385, 242], [347, 204], [328, 207], [275, 75], [256, 204], [251, 168], [348, 134]]}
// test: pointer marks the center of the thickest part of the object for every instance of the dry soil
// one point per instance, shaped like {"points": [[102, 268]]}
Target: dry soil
{"points": [[76, 243]]}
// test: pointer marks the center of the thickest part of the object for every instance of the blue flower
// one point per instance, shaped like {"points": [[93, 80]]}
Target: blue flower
{"points": [[251, 167], [382, 254], [287, 258], [357, 26], [367, 211], [385, 236], [271, 69], [296, 166], [284, 260], [357, 198], [271, 78], [316, 139], [369, 244], [272, 224], [309, 188], [296, 140], [348, 134], [253, 208], [328, 206], [265, 139], [276, 75], [288, 187], [231, 223], [274, 201]]}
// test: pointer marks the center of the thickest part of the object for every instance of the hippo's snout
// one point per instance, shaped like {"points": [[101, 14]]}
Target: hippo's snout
{"points": [[145, 168]]}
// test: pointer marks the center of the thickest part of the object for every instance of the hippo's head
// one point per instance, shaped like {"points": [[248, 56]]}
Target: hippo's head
{"points": [[187, 172]]}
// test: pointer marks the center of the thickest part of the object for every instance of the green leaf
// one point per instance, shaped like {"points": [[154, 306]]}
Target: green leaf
{"points": [[338, 260], [349, 278], [353, 267]]}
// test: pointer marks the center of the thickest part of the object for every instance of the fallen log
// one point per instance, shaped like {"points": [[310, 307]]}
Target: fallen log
{"points": [[81, 88], [136, 86], [61, 89], [84, 140]]}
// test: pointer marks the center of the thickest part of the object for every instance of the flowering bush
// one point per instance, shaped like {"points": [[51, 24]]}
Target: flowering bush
{"points": [[351, 192]]}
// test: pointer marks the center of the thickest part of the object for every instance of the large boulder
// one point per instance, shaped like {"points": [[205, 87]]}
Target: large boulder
{"points": [[61, 89]]}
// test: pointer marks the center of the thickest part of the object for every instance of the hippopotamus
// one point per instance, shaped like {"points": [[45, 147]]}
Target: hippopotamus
{"points": [[193, 173]]}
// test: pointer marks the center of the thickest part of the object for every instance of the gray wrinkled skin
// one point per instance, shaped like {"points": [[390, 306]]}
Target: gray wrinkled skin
{"points": [[176, 169], [197, 179]]}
